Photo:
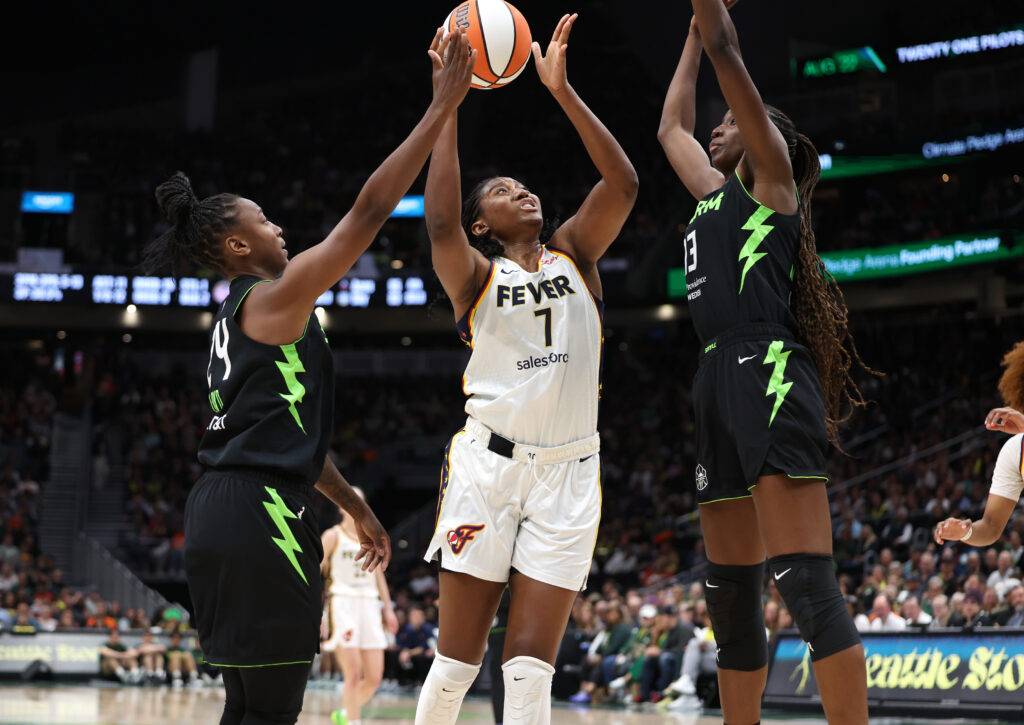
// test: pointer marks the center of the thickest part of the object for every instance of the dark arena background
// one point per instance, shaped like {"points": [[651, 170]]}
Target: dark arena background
{"points": [[917, 111]]}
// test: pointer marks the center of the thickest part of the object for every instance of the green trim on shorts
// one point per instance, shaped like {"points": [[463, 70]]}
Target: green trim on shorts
{"points": [[273, 664], [720, 500], [826, 479]]}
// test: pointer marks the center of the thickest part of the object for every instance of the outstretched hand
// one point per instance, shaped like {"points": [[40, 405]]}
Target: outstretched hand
{"points": [[452, 61], [551, 66], [1006, 420]]}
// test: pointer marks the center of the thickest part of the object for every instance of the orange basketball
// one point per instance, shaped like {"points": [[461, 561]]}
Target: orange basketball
{"points": [[499, 34]]}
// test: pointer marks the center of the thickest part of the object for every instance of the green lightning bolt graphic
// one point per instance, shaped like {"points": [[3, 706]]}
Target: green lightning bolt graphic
{"points": [[296, 390], [278, 513], [775, 385], [759, 230]]}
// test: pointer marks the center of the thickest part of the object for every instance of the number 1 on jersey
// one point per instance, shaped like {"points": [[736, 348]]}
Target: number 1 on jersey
{"points": [[545, 312]]}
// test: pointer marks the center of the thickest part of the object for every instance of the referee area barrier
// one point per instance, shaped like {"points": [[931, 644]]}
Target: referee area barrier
{"points": [[944, 673]]}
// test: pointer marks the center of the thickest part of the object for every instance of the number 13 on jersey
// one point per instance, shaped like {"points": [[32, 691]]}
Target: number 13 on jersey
{"points": [[690, 251]]}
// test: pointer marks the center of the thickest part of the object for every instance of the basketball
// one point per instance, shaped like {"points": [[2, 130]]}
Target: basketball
{"points": [[500, 35]]}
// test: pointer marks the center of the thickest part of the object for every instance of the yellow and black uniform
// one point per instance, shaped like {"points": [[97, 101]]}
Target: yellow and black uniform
{"points": [[252, 545], [757, 398]]}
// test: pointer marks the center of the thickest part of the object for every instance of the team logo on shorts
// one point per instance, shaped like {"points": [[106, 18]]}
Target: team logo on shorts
{"points": [[702, 478], [347, 637], [462, 535]]}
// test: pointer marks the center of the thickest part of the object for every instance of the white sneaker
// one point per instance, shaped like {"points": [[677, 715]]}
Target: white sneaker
{"points": [[685, 703], [177, 684], [619, 683], [684, 686]]}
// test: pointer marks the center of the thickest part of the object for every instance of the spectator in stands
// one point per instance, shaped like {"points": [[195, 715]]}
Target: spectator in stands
{"points": [[117, 660], [598, 667], [416, 642], [8, 579], [971, 614], [67, 620], [1013, 616], [151, 655], [941, 612], [24, 622], [47, 622], [179, 660], [1003, 576], [101, 620], [634, 652], [913, 614], [663, 656], [882, 618]]}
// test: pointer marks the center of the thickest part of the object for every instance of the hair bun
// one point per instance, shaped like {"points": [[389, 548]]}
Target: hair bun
{"points": [[176, 198]]}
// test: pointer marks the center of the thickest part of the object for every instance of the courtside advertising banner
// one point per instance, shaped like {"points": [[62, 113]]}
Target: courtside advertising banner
{"points": [[960, 673]]}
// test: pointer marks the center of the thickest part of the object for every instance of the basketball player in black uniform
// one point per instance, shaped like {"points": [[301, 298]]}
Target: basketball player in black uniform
{"points": [[252, 546], [773, 378]]}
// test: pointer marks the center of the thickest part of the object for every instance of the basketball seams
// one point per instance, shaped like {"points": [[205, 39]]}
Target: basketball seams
{"points": [[483, 39], [479, 15]]}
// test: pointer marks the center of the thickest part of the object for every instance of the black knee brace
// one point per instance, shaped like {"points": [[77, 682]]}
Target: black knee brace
{"points": [[733, 596], [807, 583]]}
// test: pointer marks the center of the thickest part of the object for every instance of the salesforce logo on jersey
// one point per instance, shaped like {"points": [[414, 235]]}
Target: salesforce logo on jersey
{"points": [[543, 361]]}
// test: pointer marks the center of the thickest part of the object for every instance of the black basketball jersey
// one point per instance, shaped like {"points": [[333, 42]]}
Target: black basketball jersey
{"points": [[273, 405], [739, 258]]}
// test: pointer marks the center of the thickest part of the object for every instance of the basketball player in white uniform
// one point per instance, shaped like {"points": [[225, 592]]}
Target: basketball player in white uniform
{"points": [[358, 609], [520, 498], [1008, 476]]}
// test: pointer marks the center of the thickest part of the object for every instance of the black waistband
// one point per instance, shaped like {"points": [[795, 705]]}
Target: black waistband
{"points": [[500, 445], [265, 476], [740, 333]]}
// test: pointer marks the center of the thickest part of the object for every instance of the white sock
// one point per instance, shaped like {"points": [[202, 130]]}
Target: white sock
{"points": [[527, 691], [443, 691]]}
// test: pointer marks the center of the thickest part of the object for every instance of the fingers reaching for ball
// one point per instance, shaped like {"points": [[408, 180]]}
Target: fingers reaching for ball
{"points": [[453, 61]]}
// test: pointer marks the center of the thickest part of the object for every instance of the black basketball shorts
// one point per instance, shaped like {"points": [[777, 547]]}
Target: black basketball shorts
{"points": [[759, 410], [252, 560]]}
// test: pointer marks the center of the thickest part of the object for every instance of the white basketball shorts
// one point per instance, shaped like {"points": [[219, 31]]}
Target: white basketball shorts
{"points": [[355, 622], [536, 512]]}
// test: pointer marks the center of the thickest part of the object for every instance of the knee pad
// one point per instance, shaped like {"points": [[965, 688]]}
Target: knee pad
{"points": [[807, 583], [446, 685], [527, 691], [733, 596]]}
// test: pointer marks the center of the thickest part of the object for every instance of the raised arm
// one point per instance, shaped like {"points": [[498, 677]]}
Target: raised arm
{"points": [[678, 118], [461, 268], [286, 304], [589, 233], [374, 542], [764, 147]]}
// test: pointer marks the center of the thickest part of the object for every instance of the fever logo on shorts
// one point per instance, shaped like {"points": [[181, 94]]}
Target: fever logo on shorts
{"points": [[702, 478], [462, 535], [347, 637]]}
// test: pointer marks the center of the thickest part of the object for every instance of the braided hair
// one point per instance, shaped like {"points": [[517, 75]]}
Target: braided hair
{"points": [[1011, 384], [487, 245], [198, 227], [817, 301]]}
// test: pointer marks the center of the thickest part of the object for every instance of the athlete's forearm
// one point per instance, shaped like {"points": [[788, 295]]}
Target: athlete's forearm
{"points": [[680, 109], [608, 156], [442, 199], [716, 27], [334, 486]]}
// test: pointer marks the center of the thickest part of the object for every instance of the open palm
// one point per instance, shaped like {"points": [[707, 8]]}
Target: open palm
{"points": [[551, 66]]}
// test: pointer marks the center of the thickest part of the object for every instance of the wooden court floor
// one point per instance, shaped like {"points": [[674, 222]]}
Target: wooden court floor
{"points": [[46, 704]]}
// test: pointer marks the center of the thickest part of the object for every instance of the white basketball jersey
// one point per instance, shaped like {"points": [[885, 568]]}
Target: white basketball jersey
{"points": [[534, 375], [346, 575], [1008, 476]]}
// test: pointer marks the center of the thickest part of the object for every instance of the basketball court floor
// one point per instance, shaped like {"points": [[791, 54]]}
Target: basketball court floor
{"points": [[117, 705]]}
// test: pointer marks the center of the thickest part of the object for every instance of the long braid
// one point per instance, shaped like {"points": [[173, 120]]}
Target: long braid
{"points": [[817, 301], [198, 227]]}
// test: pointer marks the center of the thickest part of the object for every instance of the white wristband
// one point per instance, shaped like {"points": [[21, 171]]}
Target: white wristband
{"points": [[970, 530]]}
